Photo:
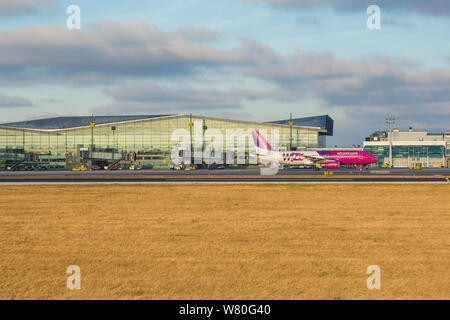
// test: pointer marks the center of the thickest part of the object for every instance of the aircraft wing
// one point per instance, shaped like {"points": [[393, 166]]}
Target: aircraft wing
{"points": [[313, 159], [318, 159]]}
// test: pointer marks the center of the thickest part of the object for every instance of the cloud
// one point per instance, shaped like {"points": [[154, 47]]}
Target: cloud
{"points": [[51, 100], [430, 7], [12, 102], [390, 21], [197, 34], [111, 51], [412, 91], [311, 67], [364, 91], [155, 98], [23, 7]]}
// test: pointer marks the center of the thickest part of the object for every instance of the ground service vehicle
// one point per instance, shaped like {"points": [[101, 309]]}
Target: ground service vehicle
{"points": [[81, 168]]}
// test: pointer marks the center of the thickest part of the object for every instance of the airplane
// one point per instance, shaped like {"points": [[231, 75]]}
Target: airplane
{"points": [[326, 159]]}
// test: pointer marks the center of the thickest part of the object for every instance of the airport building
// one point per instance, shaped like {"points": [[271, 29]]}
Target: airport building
{"points": [[447, 141], [410, 148], [116, 141]]}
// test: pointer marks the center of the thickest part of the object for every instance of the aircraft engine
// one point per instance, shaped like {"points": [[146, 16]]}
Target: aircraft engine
{"points": [[332, 165]]}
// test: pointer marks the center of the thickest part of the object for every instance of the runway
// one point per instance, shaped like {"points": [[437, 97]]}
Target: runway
{"points": [[252, 176], [233, 172], [213, 180]]}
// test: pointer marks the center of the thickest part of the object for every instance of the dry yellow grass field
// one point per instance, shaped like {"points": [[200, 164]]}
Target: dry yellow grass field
{"points": [[225, 241]]}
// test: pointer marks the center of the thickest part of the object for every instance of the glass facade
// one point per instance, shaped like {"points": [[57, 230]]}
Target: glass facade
{"points": [[381, 152], [415, 153], [143, 137], [447, 140]]}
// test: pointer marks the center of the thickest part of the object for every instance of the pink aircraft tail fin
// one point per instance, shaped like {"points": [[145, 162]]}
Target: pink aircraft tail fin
{"points": [[260, 142]]}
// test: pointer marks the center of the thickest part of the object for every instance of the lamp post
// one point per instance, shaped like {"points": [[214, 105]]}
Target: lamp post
{"points": [[113, 128], [92, 125], [290, 132], [390, 122], [191, 125], [204, 128]]}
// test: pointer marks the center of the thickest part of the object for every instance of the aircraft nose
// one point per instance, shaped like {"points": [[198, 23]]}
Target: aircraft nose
{"points": [[374, 159]]}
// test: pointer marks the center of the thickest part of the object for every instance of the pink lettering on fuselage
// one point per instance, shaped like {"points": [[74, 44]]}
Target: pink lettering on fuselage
{"points": [[293, 156]]}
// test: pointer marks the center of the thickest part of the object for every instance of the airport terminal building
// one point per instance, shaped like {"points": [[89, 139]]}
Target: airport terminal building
{"points": [[410, 148], [68, 142]]}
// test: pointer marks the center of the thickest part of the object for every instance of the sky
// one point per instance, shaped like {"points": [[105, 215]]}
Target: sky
{"points": [[257, 60]]}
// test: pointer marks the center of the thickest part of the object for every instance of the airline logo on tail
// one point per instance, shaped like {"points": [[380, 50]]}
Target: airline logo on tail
{"points": [[260, 142]]}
